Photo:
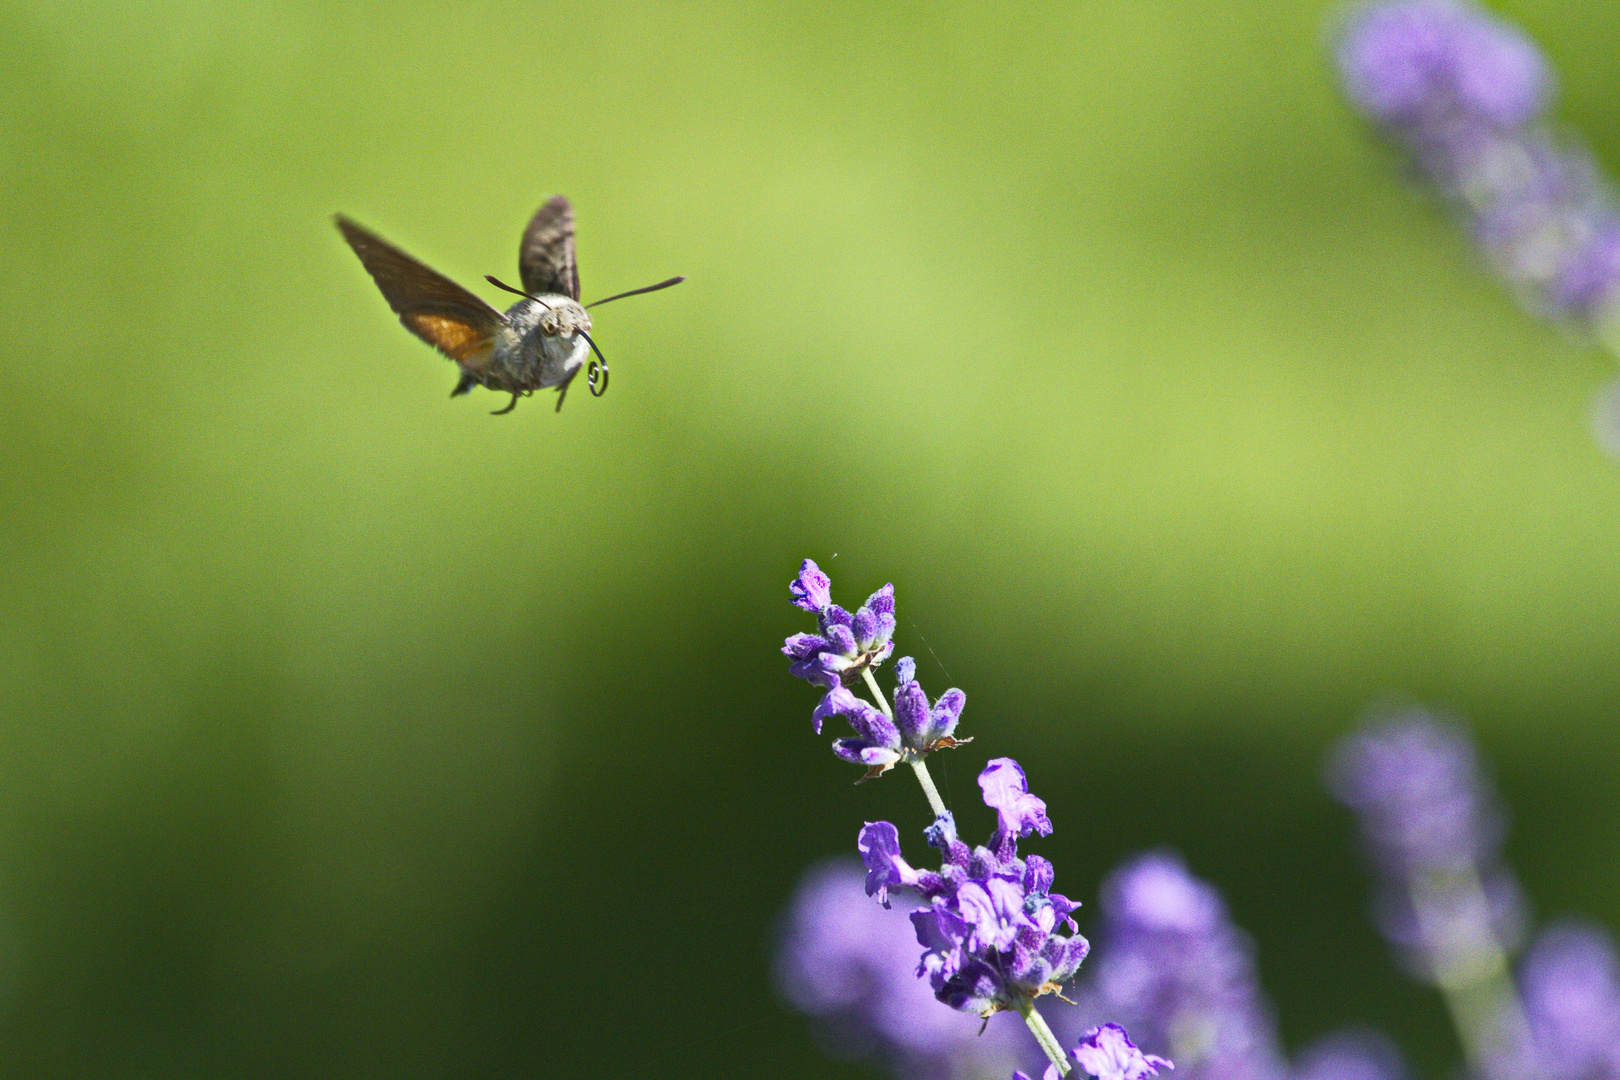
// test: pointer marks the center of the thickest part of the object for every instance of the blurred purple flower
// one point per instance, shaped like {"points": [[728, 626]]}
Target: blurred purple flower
{"points": [[1419, 62], [851, 964], [1351, 1055], [1570, 984], [1179, 974]]}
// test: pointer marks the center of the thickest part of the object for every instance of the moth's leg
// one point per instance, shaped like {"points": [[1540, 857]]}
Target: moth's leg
{"points": [[509, 408]]}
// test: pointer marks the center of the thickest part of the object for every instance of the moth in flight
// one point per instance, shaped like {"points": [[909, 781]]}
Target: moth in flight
{"points": [[542, 340]]}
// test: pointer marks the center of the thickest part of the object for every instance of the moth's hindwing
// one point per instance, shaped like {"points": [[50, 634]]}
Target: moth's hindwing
{"points": [[546, 260]]}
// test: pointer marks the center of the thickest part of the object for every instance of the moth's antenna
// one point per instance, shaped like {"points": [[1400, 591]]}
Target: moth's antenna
{"points": [[594, 367], [632, 292], [503, 285]]}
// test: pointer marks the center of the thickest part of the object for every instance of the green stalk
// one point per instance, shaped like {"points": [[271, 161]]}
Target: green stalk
{"points": [[1043, 1035], [919, 766]]}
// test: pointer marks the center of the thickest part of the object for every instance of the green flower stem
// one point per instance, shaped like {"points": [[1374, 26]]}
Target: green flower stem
{"points": [[919, 766], [882, 698], [1044, 1036]]}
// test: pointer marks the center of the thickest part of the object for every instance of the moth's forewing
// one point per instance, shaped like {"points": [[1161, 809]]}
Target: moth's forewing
{"points": [[431, 306], [546, 259]]}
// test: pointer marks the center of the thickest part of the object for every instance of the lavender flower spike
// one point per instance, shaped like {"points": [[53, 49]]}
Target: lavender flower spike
{"points": [[1466, 94], [990, 925]]}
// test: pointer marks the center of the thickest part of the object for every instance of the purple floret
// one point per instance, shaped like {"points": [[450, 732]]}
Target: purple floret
{"points": [[1018, 813], [879, 845], [1108, 1054], [812, 589], [876, 744], [995, 910], [806, 652], [835, 702]]}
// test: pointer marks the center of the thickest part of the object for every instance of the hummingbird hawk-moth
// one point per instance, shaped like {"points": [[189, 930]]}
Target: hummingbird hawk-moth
{"points": [[542, 340]]}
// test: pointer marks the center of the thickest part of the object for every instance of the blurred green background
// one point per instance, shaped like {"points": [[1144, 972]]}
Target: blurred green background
{"points": [[350, 732]]}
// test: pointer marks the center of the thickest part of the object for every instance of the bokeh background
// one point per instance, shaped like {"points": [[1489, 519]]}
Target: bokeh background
{"points": [[346, 731]]}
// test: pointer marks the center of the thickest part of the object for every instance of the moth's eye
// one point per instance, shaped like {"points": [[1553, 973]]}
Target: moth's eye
{"points": [[548, 328]]}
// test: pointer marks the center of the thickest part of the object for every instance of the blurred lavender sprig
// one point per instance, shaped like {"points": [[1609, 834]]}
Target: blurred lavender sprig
{"points": [[1434, 830], [1466, 94]]}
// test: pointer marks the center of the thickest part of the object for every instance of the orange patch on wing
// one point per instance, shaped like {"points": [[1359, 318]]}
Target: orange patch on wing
{"points": [[454, 338]]}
